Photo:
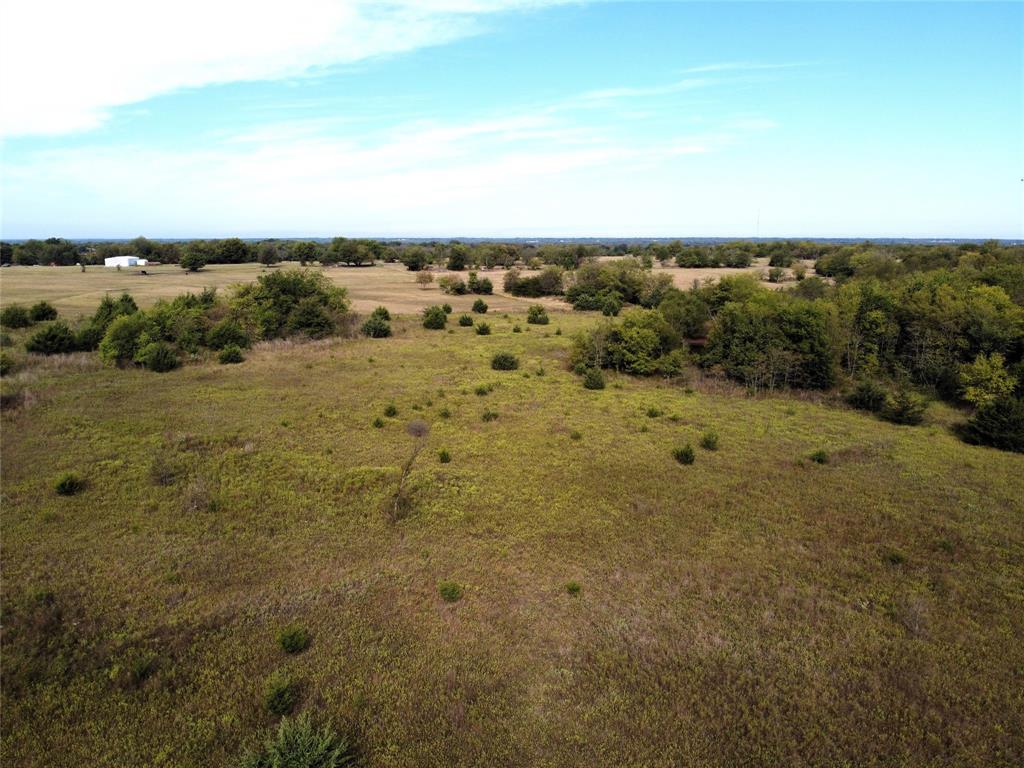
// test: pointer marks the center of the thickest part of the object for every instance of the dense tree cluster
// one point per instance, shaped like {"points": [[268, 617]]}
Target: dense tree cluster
{"points": [[277, 304], [948, 323]]}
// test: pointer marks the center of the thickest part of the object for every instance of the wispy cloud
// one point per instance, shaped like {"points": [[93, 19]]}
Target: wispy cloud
{"points": [[742, 66], [65, 65]]}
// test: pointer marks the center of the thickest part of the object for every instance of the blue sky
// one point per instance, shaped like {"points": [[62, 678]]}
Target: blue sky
{"points": [[513, 118]]}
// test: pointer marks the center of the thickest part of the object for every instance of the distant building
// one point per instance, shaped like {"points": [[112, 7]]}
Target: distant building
{"points": [[125, 261]]}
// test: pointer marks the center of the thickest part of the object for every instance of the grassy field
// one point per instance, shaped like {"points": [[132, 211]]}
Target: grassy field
{"points": [[74, 292], [754, 608]]}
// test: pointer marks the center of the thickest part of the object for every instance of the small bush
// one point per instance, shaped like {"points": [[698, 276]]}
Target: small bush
{"points": [[573, 588], [465, 320], [483, 329], [435, 318], [450, 591], [593, 379], [227, 332], [893, 557], [378, 423], [653, 413], [69, 484], [293, 639], [443, 456], [444, 413], [381, 313], [376, 327], [42, 311], [819, 457], [158, 356], [391, 410], [297, 743], [483, 389], [905, 407], [709, 441], [575, 435], [447, 308], [15, 316], [537, 315], [230, 355], [504, 361], [867, 395], [684, 455], [489, 415], [54, 339], [281, 694], [999, 424], [516, 328], [480, 307], [6, 364]]}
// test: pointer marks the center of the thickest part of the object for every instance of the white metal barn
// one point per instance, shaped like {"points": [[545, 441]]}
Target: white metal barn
{"points": [[124, 261]]}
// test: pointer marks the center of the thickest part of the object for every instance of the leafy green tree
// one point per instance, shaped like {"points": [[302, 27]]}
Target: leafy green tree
{"points": [[986, 380]]}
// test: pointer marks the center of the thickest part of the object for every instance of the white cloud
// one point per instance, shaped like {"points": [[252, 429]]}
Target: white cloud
{"points": [[532, 170], [64, 64]]}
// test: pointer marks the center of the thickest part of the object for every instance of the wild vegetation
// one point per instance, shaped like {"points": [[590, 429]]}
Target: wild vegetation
{"points": [[670, 534]]}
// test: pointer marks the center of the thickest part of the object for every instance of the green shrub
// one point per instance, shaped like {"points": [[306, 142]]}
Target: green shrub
{"points": [[444, 413], [504, 361], [653, 413], [573, 587], [443, 456], [376, 327], [593, 379], [88, 337], [391, 410], [158, 356], [435, 318], [452, 285], [893, 557], [516, 328], [483, 329], [280, 694], [489, 415], [290, 301], [450, 591], [6, 364], [121, 341], [447, 308], [537, 315], [465, 320], [69, 484], [819, 457], [480, 284], [382, 313], [905, 407], [709, 440], [684, 455], [999, 424], [42, 311], [227, 332], [230, 355], [575, 435], [293, 639], [54, 339], [310, 317], [378, 423], [15, 316], [484, 389], [480, 307], [867, 395]]}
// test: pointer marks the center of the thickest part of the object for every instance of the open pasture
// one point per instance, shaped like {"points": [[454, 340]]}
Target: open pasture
{"points": [[616, 608]]}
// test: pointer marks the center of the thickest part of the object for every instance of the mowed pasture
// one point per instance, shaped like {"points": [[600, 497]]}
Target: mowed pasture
{"points": [[753, 608], [75, 293]]}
